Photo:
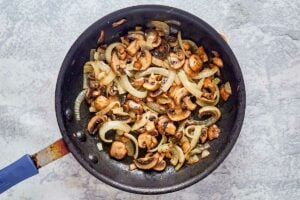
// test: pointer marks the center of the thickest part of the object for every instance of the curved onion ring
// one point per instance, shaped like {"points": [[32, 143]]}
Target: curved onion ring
{"points": [[170, 80], [160, 63], [129, 88], [196, 136], [181, 157], [108, 108], [162, 141], [77, 104], [154, 70], [109, 78], [179, 38], [161, 26], [203, 102], [193, 45], [206, 73], [112, 125], [190, 86], [131, 137], [108, 51]]}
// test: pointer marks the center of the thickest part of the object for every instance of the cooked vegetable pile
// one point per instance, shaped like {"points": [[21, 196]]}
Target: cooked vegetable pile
{"points": [[154, 96]]}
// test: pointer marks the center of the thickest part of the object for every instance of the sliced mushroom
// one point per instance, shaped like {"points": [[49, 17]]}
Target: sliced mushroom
{"points": [[146, 140], [117, 65], [155, 93], [134, 107], [162, 123], [188, 103], [151, 84], [133, 48], [179, 94], [162, 51], [152, 39], [144, 59], [93, 125], [134, 35], [196, 63], [160, 166], [146, 163], [121, 52], [177, 114], [150, 128], [213, 132], [188, 70], [170, 129], [217, 61], [100, 102], [172, 41], [118, 150], [176, 60], [201, 52], [137, 83]]}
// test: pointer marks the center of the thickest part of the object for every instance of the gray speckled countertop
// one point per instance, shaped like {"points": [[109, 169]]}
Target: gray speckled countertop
{"points": [[265, 36]]}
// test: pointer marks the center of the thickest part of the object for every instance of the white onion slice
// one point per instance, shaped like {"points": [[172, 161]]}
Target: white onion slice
{"points": [[108, 51], [154, 70], [133, 139], [129, 88], [112, 125], [169, 82], [78, 101], [206, 73], [190, 86]]}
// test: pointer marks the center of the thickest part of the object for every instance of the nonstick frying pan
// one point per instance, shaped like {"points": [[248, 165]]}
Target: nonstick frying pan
{"points": [[83, 146]]}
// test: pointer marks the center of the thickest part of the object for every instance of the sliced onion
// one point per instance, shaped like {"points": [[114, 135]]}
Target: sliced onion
{"points": [[154, 70], [174, 153], [121, 90], [181, 157], [129, 88], [169, 82], [159, 25], [110, 106], [155, 107], [119, 111], [103, 66], [162, 141], [187, 130], [206, 73], [174, 22], [112, 125], [108, 78], [160, 63], [108, 51], [190, 86], [177, 80], [196, 136], [133, 139], [79, 99], [180, 43], [85, 81]]}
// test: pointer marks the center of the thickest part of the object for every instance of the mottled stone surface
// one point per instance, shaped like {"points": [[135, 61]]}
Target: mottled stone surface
{"points": [[265, 36]]}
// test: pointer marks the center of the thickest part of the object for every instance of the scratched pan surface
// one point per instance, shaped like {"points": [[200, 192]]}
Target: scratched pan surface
{"points": [[116, 173]]}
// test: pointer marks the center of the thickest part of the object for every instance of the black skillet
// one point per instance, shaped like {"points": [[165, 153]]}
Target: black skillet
{"points": [[83, 146]]}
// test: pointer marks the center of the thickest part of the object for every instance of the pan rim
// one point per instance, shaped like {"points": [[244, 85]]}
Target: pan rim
{"points": [[236, 127]]}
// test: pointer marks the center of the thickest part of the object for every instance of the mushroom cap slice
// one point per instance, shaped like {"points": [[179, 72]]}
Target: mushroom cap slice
{"points": [[179, 94], [118, 150], [146, 163], [195, 62], [160, 166], [133, 48], [117, 65], [175, 61], [178, 114]]}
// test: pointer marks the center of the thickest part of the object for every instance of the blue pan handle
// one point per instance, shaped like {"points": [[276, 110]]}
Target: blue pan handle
{"points": [[17, 172]]}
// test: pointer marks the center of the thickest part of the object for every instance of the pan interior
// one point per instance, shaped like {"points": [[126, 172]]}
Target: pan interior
{"points": [[114, 172]]}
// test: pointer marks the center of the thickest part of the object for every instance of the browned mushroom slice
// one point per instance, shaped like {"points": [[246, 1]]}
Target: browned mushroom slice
{"points": [[162, 123], [134, 106], [117, 65], [152, 40], [118, 150], [146, 140], [151, 84], [176, 60], [160, 166], [137, 83], [134, 35], [93, 125], [121, 52], [188, 103], [201, 52], [100, 102], [170, 129], [196, 63], [177, 114], [146, 163], [217, 61], [188, 70], [133, 48], [213, 132], [179, 94], [143, 61]]}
